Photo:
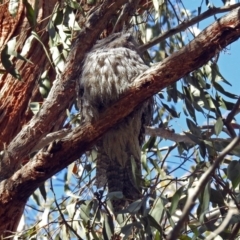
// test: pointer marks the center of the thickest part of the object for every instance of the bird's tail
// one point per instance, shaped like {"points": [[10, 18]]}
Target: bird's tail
{"points": [[125, 180]]}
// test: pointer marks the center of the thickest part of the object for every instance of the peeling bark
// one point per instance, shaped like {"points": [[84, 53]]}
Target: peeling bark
{"points": [[16, 95], [15, 128]]}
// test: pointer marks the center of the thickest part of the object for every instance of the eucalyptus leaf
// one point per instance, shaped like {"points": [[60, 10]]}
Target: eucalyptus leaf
{"points": [[218, 126], [233, 172]]}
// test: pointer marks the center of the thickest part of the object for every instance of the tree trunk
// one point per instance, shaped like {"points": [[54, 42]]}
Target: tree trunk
{"points": [[16, 95]]}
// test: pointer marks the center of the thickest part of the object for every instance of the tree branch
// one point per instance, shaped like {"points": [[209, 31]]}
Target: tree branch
{"points": [[193, 193], [168, 134], [54, 136], [61, 154], [63, 87], [181, 27]]}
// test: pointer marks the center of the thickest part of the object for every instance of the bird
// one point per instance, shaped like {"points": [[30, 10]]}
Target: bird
{"points": [[108, 71]]}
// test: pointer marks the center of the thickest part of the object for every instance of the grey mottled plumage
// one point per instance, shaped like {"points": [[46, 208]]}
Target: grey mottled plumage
{"points": [[108, 71]]}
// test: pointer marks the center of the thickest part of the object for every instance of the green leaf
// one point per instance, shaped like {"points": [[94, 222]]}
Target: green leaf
{"points": [[44, 48], [193, 128], [144, 162], [127, 229], [135, 173], [218, 126], [70, 172], [150, 143], [154, 223], [44, 86], [193, 81], [169, 217], [216, 75], [221, 90], [175, 199], [155, 164], [74, 5], [35, 107], [6, 54], [133, 207], [71, 209], [157, 209], [5, 58], [192, 137], [157, 236], [172, 92], [209, 103], [157, 3], [196, 106], [35, 196], [115, 195], [204, 201], [202, 149], [225, 104], [190, 109], [30, 14], [26, 47], [11, 50], [171, 110], [108, 227], [233, 173], [85, 210], [43, 192]]}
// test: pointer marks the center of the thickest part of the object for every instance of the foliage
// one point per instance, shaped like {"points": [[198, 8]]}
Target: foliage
{"points": [[68, 206]]}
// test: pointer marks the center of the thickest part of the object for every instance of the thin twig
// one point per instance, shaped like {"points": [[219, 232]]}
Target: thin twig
{"points": [[234, 112], [167, 134], [193, 193], [50, 138], [235, 232], [230, 117], [170, 148], [62, 216]]}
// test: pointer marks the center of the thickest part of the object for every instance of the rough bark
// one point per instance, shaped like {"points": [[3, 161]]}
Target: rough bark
{"points": [[63, 87], [18, 185], [16, 96]]}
